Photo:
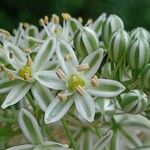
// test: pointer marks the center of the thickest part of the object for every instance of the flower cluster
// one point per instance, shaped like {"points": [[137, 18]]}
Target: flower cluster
{"points": [[93, 79]]}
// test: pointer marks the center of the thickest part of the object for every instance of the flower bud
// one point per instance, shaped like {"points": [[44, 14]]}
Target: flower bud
{"points": [[97, 25], [138, 54], [106, 70], [111, 24], [140, 33], [145, 77], [134, 101], [86, 41], [118, 45]]}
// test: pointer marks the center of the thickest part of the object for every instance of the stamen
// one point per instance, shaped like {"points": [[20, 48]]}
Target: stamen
{"points": [[89, 22], [11, 55], [80, 19], [46, 19], [42, 22], [66, 16], [80, 90], [60, 74], [83, 67], [11, 76], [27, 50], [62, 97], [94, 81], [4, 32], [26, 25], [67, 57], [29, 61], [2, 67], [55, 19], [27, 76]]}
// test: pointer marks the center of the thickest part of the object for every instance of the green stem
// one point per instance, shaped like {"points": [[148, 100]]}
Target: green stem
{"points": [[69, 135]]}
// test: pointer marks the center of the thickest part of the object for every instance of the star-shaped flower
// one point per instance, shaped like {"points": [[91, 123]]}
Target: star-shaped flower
{"points": [[78, 84], [21, 78]]}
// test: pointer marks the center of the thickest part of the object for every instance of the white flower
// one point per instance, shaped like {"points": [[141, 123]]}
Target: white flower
{"points": [[21, 78], [32, 132], [77, 84]]}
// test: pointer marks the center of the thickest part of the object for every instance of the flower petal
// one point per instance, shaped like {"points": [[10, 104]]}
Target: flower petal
{"points": [[22, 147], [107, 88], [57, 109], [50, 79], [18, 57], [42, 95], [85, 106], [54, 146], [94, 60], [103, 141], [45, 53], [16, 94], [63, 49], [6, 85], [30, 127]]}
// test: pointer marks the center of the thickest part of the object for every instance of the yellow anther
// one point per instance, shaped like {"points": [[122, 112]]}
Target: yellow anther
{"points": [[27, 50], [29, 61], [4, 32], [62, 97], [60, 74], [11, 76], [83, 67], [67, 57], [26, 25], [80, 90], [55, 19], [2, 67], [94, 81], [141, 135], [90, 21], [66, 16], [41, 22], [46, 19], [80, 19], [27, 76]]}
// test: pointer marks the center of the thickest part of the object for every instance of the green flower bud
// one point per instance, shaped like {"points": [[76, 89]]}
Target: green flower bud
{"points": [[118, 45], [134, 101], [97, 25], [106, 70], [138, 54], [145, 76], [140, 33], [111, 24], [86, 41]]}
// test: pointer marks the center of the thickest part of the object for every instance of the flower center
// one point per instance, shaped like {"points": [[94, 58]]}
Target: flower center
{"points": [[25, 72], [75, 81]]}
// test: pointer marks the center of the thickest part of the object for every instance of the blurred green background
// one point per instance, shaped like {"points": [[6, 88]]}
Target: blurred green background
{"points": [[134, 13]]}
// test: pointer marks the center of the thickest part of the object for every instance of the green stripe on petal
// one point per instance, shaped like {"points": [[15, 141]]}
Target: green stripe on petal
{"points": [[45, 53], [93, 60], [85, 106], [57, 109], [63, 49], [16, 94], [19, 57], [107, 88], [50, 79], [22, 147], [42, 95], [30, 127], [104, 141], [6, 85]]}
